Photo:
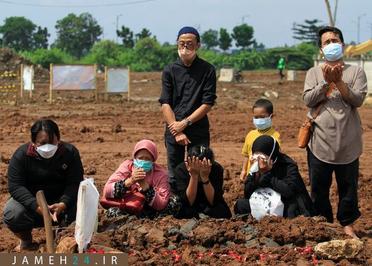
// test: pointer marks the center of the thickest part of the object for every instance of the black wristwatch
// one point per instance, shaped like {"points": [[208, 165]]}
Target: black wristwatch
{"points": [[188, 122], [324, 84], [206, 182]]}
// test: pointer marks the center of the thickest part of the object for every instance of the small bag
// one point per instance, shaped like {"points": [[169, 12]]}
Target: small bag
{"points": [[132, 202], [266, 201], [305, 131]]}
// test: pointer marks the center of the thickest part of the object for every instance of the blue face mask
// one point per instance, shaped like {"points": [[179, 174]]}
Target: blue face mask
{"points": [[145, 165], [262, 123], [333, 52]]}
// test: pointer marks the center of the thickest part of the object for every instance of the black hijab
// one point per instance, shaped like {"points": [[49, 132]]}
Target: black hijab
{"points": [[266, 145]]}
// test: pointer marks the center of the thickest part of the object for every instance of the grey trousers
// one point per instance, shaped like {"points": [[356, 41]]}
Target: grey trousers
{"points": [[19, 219]]}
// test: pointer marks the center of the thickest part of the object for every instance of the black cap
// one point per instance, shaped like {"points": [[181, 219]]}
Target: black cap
{"points": [[191, 30]]}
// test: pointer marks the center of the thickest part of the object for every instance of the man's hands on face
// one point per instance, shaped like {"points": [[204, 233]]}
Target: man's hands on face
{"points": [[205, 169], [197, 167], [193, 166]]}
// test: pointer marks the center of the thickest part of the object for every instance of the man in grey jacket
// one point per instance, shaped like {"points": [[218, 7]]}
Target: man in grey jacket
{"points": [[335, 89]]}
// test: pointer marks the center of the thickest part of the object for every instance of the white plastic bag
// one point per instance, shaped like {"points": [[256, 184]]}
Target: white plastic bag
{"points": [[86, 214], [265, 201]]}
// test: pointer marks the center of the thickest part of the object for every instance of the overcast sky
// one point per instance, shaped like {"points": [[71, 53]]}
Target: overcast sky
{"points": [[272, 20]]}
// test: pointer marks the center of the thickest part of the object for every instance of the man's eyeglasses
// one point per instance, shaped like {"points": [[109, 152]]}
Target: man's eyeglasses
{"points": [[187, 45]]}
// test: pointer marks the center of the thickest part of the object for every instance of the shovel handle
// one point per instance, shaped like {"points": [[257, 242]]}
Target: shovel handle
{"points": [[41, 201]]}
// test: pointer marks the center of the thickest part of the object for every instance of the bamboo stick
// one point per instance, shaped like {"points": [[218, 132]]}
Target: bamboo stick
{"points": [[41, 201], [51, 83], [106, 88], [128, 83]]}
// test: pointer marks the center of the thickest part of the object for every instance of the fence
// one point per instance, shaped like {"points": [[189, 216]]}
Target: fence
{"points": [[13, 83], [84, 78]]}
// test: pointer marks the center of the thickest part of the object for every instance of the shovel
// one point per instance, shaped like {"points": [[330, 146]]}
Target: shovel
{"points": [[41, 201]]}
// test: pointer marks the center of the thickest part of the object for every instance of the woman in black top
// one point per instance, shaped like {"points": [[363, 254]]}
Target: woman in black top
{"points": [[273, 169], [199, 185], [48, 164]]}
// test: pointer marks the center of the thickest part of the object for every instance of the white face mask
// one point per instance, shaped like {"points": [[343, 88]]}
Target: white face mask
{"points": [[262, 123], [186, 54], [47, 150], [333, 52]]}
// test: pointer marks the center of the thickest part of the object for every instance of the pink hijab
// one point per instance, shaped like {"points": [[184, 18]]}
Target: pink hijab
{"points": [[146, 145]]}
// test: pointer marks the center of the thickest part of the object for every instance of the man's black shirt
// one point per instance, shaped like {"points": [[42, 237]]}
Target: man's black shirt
{"points": [[185, 89]]}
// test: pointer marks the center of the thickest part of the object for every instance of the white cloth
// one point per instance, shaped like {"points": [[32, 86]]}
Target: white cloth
{"points": [[86, 214]]}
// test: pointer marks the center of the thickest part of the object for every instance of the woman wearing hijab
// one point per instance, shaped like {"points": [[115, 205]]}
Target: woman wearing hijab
{"points": [[199, 185], [48, 164], [138, 182], [272, 169]]}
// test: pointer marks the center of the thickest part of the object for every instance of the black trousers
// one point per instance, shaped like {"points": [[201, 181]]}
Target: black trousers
{"points": [[347, 186], [242, 206], [19, 219], [176, 154]]}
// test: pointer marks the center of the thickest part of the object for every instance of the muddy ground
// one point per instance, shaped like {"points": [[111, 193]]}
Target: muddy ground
{"points": [[105, 133]]}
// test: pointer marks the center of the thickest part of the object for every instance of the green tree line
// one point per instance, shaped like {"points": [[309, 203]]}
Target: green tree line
{"points": [[79, 41]]}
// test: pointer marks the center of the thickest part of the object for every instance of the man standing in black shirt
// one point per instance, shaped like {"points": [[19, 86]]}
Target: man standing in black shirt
{"points": [[188, 94]]}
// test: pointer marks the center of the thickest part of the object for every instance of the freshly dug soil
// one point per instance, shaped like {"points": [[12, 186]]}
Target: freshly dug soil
{"points": [[105, 134]]}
